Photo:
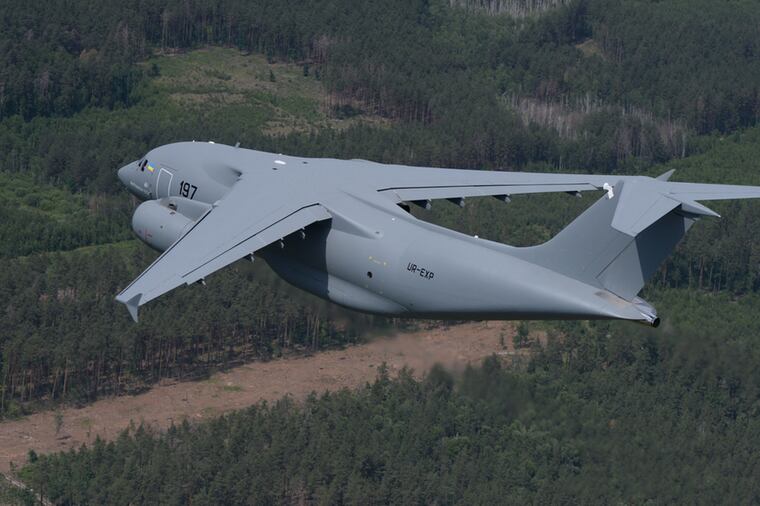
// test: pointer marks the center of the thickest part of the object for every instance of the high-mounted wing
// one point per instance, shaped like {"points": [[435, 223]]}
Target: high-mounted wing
{"points": [[644, 200], [415, 184], [258, 210]]}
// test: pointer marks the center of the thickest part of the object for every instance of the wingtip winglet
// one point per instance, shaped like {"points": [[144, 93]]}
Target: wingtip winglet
{"points": [[133, 305]]}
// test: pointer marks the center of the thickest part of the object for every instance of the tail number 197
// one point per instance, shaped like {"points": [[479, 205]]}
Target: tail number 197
{"points": [[187, 190]]}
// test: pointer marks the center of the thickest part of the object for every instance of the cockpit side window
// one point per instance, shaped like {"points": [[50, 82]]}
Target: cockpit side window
{"points": [[143, 164]]}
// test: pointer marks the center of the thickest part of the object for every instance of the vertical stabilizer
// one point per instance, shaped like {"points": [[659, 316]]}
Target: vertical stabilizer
{"points": [[619, 242]]}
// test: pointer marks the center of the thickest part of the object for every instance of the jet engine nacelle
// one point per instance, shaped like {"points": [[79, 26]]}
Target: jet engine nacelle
{"points": [[159, 223]]}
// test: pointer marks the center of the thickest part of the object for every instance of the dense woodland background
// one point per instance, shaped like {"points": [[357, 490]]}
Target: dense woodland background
{"points": [[605, 413]]}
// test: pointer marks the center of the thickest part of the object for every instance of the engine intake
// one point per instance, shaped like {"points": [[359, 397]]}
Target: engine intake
{"points": [[159, 223]]}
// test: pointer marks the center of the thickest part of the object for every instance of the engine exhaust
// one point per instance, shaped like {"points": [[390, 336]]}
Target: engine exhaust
{"points": [[648, 313]]}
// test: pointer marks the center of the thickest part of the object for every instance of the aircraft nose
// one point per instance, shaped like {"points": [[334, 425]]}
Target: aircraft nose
{"points": [[126, 172]]}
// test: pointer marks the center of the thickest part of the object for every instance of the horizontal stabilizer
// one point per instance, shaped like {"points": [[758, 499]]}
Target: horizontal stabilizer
{"points": [[643, 201], [639, 206]]}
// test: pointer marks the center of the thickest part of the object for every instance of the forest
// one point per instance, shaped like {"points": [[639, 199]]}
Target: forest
{"points": [[621, 87], [609, 415]]}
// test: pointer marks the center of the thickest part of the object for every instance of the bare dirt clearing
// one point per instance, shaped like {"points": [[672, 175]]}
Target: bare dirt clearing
{"points": [[454, 347]]}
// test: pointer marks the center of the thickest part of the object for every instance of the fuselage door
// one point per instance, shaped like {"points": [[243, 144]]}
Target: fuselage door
{"points": [[163, 186]]}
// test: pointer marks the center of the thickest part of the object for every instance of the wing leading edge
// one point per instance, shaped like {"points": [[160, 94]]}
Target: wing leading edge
{"points": [[250, 217]]}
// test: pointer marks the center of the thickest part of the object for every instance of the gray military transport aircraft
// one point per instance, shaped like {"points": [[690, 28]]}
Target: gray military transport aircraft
{"points": [[341, 229]]}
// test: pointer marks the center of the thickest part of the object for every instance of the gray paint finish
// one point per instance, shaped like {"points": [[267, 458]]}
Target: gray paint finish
{"points": [[335, 228]]}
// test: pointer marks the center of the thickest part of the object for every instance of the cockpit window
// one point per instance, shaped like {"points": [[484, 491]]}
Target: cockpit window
{"points": [[143, 164]]}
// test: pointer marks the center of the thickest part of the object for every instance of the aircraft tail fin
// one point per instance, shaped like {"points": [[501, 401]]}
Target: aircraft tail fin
{"points": [[621, 240]]}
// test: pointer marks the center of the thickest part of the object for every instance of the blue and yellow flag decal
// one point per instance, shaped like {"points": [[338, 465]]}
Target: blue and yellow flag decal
{"points": [[150, 167]]}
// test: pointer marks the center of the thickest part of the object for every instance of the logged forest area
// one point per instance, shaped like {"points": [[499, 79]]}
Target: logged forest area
{"points": [[602, 412]]}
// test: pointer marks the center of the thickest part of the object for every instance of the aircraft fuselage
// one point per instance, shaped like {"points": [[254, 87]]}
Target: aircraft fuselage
{"points": [[371, 255], [401, 266]]}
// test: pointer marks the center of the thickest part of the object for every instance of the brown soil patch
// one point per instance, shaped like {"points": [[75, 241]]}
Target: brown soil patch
{"points": [[454, 347], [589, 48]]}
